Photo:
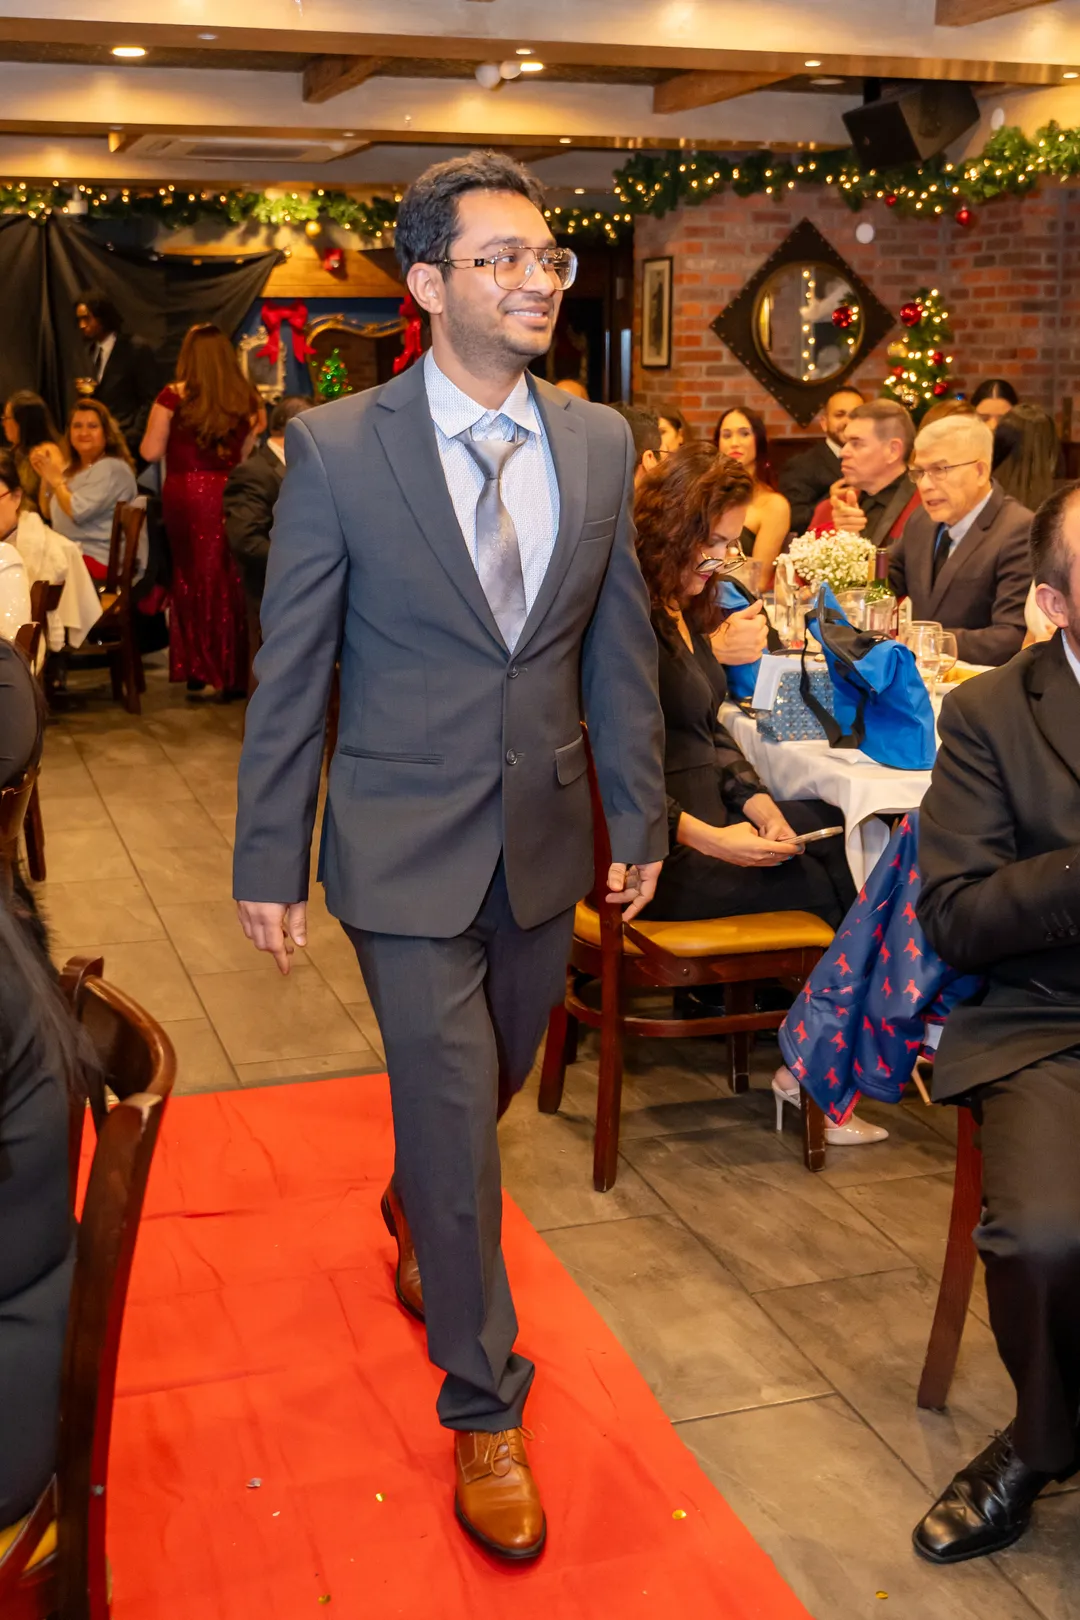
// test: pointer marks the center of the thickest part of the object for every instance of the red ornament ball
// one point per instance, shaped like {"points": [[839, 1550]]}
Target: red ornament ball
{"points": [[891, 200], [842, 316], [965, 216], [898, 371], [937, 358], [941, 388], [910, 314]]}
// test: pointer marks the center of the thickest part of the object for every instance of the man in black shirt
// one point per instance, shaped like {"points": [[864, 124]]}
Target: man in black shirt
{"points": [[875, 495], [808, 477]]}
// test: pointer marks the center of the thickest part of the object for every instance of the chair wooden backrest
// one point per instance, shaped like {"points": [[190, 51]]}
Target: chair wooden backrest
{"points": [[137, 1063], [28, 638], [14, 802], [44, 599], [128, 520]]}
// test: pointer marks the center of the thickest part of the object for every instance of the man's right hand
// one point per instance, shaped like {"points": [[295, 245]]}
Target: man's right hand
{"points": [[273, 927]]}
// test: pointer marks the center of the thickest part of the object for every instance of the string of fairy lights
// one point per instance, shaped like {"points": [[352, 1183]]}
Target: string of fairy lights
{"points": [[650, 183]]}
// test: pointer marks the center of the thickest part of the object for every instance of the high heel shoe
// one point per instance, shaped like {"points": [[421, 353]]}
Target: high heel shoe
{"points": [[854, 1133]]}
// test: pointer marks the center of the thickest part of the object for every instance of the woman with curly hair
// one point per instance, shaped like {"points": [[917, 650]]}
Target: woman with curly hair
{"points": [[202, 424], [740, 433], [733, 849]]}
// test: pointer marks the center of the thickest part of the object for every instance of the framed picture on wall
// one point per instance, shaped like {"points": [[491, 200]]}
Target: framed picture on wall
{"points": [[656, 314]]}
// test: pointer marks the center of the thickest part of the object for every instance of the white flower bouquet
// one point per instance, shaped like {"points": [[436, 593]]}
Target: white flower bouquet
{"points": [[838, 558]]}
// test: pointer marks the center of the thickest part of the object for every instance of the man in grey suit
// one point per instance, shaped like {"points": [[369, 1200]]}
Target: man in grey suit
{"points": [[963, 560], [463, 534]]}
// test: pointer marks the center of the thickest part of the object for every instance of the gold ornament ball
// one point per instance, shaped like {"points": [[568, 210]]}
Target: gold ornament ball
{"points": [[896, 351], [313, 228]]}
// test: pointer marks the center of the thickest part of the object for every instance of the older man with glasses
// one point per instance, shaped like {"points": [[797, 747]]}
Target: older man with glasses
{"points": [[963, 559]]}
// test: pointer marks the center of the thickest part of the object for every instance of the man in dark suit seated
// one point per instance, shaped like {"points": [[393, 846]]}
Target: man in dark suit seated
{"points": [[1000, 856], [251, 493], [808, 477], [874, 494], [963, 560], [123, 369]]}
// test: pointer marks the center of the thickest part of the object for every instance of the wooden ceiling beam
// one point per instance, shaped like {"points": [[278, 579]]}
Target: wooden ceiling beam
{"points": [[959, 13], [689, 90], [328, 76]]}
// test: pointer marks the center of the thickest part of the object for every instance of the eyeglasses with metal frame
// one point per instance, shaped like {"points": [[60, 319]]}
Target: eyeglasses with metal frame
{"points": [[513, 267]]}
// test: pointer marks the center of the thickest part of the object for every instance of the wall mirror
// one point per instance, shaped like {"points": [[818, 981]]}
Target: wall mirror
{"points": [[804, 321]]}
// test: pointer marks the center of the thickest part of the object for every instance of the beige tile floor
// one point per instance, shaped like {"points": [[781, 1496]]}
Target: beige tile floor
{"points": [[780, 1318]]}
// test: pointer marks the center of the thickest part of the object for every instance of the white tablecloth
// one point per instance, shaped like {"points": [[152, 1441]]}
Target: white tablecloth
{"points": [[858, 786], [54, 557]]}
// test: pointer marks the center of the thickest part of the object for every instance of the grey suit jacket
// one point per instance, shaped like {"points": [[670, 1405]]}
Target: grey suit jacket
{"points": [[450, 750], [982, 587], [999, 851]]}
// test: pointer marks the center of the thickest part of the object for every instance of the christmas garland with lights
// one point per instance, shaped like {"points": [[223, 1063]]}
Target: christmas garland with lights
{"points": [[1011, 164]]}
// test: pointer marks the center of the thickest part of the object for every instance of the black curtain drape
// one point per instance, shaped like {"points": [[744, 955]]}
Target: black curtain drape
{"points": [[46, 264]]}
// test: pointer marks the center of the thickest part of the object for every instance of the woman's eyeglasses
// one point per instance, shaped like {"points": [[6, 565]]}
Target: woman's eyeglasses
{"points": [[513, 266]]}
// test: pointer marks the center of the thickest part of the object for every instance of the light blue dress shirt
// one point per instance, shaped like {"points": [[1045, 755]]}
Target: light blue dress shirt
{"points": [[530, 488]]}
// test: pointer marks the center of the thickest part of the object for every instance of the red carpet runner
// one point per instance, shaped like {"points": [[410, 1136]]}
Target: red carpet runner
{"points": [[276, 1453]]}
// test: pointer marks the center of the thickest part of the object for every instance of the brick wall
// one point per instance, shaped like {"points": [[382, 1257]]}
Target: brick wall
{"points": [[1007, 282]]}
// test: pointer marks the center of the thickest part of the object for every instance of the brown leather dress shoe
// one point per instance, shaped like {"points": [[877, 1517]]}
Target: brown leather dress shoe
{"points": [[407, 1275], [496, 1499]]}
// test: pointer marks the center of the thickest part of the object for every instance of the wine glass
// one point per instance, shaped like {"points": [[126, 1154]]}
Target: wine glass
{"points": [[947, 653], [922, 636]]}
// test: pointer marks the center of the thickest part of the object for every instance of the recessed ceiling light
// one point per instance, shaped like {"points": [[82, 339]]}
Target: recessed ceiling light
{"points": [[579, 191], [812, 62], [826, 81], [1070, 75], [532, 67], [523, 50], [564, 140], [208, 36], [348, 132], [128, 50]]}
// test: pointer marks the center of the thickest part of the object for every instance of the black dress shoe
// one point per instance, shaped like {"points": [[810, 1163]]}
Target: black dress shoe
{"points": [[985, 1508]]}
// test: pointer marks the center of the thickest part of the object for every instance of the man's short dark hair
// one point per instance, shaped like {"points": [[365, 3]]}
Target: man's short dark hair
{"points": [[645, 426], [427, 220], [1051, 560], [101, 308], [845, 388], [288, 406]]}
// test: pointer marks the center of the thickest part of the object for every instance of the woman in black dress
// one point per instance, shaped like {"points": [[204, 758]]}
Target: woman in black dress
{"points": [[733, 849]]}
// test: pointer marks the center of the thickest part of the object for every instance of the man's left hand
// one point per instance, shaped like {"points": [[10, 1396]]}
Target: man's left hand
{"points": [[768, 818], [632, 886]]}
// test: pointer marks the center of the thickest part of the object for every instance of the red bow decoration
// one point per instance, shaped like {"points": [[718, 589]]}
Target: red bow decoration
{"points": [[294, 315], [412, 347]]}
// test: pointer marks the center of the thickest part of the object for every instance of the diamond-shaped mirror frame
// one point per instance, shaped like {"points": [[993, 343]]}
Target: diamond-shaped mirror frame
{"points": [[734, 326]]}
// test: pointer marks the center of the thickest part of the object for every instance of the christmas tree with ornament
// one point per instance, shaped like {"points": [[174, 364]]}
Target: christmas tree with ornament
{"points": [[920, 361], [333, 377]]}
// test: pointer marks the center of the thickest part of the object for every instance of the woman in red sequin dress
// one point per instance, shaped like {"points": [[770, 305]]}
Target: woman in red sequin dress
{"points": [[203, 424]]}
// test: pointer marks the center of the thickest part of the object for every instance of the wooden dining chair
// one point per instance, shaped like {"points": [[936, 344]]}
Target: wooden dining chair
{"points": [[627, 958], [958, 1272], [114, 632], [53, 1564]]}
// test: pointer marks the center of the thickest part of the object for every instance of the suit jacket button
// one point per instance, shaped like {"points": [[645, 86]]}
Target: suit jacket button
{"points": [[513, 672], [511, 757]]}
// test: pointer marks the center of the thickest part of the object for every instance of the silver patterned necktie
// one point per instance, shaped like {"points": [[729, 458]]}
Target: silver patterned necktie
{"points": [[498, 558]]}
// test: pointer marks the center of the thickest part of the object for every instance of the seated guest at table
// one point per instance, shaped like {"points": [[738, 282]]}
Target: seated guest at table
{"points": [[999, 851], [644, 425], [808, 477], [1026, 453], [874, 494], [994, 399], [40, 1050], [28, 425], [14, 581], [82, 483], [963, 560], [251, 493], [22, 714], [733, 849], [740, 434], [673, 428], [123, 370]]}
